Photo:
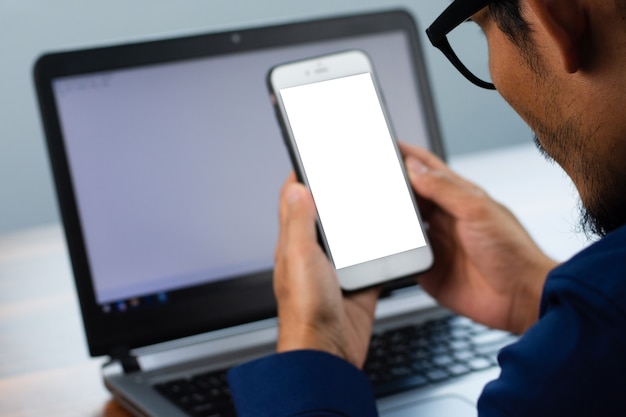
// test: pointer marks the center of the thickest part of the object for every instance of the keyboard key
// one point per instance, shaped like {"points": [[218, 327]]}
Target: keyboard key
{"points": [[464, 355], [436, 375], [442, 360], [459, 345], [489, 337], [479, 363], [401, 371], [422, 365], [458, 369]]}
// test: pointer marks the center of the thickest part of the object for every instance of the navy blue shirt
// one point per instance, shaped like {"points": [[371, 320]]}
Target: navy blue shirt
{"points": [[572, 362]]}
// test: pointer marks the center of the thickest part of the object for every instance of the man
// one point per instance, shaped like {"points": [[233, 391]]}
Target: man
{"points": [[561, 64]]}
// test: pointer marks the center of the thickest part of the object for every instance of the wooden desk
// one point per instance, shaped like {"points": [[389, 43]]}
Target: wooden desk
{"points": [[45, 369]]}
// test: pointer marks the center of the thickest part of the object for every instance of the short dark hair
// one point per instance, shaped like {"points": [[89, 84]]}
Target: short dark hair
{"points": [[508, 16]]}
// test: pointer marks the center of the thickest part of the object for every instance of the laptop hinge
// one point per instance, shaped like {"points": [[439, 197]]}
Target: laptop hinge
{"points": [[129, 362]]}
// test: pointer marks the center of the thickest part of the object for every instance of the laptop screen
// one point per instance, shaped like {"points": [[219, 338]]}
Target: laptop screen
{"points": [[168, 161]]}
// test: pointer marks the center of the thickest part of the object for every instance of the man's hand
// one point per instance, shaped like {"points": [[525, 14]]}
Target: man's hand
{"points": [[486, 266], [312, 311]]}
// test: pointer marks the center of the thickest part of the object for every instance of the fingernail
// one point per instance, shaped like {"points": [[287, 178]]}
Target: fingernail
{"points": [[293, 193], [415, 166]]}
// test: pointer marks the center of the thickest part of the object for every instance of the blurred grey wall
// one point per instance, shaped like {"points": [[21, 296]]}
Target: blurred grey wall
{"points": [[471, 119]]}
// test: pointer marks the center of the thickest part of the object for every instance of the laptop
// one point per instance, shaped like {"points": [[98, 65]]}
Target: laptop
{"points": [[168, 159]]}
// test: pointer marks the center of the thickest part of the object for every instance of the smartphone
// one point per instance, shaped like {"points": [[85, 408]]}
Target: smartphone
{"points": [[342, 148]]}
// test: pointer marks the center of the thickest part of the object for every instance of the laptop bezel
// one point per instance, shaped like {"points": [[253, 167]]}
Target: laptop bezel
{"points": [[110, 333]]}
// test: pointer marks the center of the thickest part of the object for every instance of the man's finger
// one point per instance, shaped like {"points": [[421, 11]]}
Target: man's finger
{"points": [[427, 158], [297, 215], [431, 161], [453, 194]]}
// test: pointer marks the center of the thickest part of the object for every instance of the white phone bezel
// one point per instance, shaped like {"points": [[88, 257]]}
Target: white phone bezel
{"points": [[343, 64]]}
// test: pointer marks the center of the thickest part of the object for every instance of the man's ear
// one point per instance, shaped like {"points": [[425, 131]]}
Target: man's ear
{"points": [[566, 23]]}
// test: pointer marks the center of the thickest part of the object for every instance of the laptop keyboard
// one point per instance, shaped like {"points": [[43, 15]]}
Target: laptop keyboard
{"points": [[432, 352], [398, 359], [203, 395]]}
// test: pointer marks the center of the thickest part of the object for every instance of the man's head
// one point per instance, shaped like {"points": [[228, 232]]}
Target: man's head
{"points": [[561, 64]]}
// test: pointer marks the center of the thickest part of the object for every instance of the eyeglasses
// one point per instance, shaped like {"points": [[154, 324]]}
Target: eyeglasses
{"points": [[458, 12]]}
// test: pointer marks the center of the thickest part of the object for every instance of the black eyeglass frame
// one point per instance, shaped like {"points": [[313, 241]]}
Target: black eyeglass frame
{"points": [[456, 13]]}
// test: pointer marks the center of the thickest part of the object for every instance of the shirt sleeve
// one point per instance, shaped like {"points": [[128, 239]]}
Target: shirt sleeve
{"points": [[569, 364], [301, 383]]}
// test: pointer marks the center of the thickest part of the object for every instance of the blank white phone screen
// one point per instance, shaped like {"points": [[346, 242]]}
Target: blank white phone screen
{"points": [[363, 201]]}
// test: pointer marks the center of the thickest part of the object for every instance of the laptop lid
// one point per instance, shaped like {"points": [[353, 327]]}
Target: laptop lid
{"points": [[168, 159]]}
